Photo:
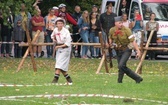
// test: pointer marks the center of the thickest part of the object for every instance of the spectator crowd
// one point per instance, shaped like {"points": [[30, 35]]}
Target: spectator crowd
{"points": [[85, 28]]}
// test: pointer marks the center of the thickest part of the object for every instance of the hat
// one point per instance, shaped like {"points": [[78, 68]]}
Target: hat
{"points": [[55, 7], [94, 6], [59, 18], [62, 5], [118, 18]]}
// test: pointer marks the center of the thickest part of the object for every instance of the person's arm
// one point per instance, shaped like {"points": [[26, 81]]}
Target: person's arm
{"points": [[141, 23], [130, 25], [147, 26], [53, 36], [80, 23], [157, 26], [136, 48], [38, 24], [98, 25], [133, 23], [110, 37]]}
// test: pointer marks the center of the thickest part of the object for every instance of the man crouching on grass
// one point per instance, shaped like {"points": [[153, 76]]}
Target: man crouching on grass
{"points": [[61, 36]]}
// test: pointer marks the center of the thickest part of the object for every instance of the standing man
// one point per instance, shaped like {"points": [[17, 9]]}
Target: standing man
{"points": [[121, 36], [38, 24], [6, 35], [25, 18], [49, 27], [106, 22], [123, 8], [76, 37]]}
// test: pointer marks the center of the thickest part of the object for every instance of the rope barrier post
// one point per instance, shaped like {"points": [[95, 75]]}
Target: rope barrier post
{"points": [[141, 49], [30, 48], [103, 55], [144, 53]]}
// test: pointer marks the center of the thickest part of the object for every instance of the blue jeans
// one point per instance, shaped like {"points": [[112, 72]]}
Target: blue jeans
{"points": [[49, 40], [85, 39], [94, 39]]}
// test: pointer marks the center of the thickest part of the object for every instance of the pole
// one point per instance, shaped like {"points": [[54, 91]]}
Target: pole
{"points": [[27, 51], [144, 53]]}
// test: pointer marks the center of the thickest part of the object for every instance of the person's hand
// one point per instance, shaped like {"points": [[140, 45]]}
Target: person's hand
{"points": [[94, 27], [45, 33], [84, 28], [56, 47], [138, 55], [54, 41]]}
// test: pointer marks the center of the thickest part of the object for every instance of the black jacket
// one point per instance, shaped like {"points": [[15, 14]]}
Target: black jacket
{"points": [[76, 16], [97, 23]]}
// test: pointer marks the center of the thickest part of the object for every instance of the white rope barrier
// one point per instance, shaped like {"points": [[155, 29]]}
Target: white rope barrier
{"points": [[49, 84], [80, 95]]}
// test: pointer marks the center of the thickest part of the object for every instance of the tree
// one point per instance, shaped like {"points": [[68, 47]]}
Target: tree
{"points": [[44, 5]]}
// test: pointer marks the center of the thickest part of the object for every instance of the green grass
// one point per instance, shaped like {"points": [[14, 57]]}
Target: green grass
{"points": [[85, 81]]}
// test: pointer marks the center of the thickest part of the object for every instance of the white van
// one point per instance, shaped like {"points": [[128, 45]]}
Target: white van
{"points": [[159, 7]]}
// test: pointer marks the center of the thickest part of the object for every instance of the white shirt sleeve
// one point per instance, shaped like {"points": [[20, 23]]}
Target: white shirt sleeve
{"points": [[52, 35], [68, 38]]}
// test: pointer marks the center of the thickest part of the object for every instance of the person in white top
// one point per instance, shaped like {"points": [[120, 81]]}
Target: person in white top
{"points": [[61, 36], [125, 20]]}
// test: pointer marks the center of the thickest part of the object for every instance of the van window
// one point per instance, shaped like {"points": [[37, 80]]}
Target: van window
{"points": [[134, 7], [159, 9], [112, 3]]}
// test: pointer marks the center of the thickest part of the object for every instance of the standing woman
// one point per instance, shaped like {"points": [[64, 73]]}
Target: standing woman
{"points": [[125, 21], [94, 31], [152, 25], [61, 36], [137, 25], [83, 24]]}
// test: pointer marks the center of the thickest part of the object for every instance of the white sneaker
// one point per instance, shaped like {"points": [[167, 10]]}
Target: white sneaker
{"points": [[68, 83]]}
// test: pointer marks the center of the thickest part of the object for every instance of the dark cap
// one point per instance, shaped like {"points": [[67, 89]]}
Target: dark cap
{"points": [[94, 6], [118, 18]]}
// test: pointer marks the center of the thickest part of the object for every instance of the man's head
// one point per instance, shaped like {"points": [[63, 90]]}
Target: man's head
{"points": [[38, 12], [118, 22], [109, 9], [94, 8], [52, 12], [77, 9], [124, 3], [23, 7]]}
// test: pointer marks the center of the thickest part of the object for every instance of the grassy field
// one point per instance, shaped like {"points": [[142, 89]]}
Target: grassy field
{"points": [[152, 91]]}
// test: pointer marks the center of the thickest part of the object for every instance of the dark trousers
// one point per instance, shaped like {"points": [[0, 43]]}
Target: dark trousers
{"points": [[17, 51], [151, 53], [6, 37], [77, 38], [122, 58], [49, 40]]}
